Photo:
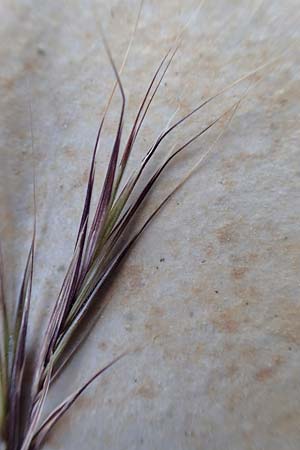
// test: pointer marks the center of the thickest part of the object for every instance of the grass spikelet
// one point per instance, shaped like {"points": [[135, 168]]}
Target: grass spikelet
{"points": [[105, 236]]}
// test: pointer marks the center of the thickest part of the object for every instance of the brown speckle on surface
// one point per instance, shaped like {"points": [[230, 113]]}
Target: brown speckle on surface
{"points": [[102, 346], [147, 390], [134, 276], [239, 272], [226, 321], [226, 233], [265, 373], [287, 324], [155, 323]]}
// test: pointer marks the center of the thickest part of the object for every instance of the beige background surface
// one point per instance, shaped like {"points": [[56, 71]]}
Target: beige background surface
{"points": [[210, 295]]}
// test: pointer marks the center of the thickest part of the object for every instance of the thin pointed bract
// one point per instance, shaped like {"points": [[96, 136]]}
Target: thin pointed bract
{"points": [[19, 352], [61, 409], [4, 345]]}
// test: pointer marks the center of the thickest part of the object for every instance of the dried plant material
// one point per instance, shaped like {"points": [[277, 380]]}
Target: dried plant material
{"points": [[104, 238]]}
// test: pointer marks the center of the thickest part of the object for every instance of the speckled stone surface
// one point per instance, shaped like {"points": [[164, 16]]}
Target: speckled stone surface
{"points": [[210, 296]]}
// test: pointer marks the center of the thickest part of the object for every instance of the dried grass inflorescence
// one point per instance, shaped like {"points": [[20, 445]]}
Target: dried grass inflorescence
{"points": [[104, 238]]}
